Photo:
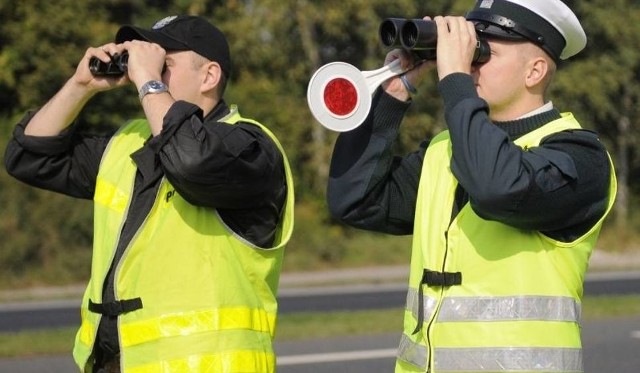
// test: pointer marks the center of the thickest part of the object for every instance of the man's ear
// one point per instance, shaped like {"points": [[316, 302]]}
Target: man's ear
{"points": [[213, 76], [538, 69]]}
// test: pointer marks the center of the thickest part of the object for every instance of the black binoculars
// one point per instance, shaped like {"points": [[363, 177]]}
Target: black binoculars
{"points": [[420, 37], [117, 65]]}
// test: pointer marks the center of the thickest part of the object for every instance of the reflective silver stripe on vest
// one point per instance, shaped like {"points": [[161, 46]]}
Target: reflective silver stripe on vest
{"points": [[413, 353], [412, 304], [543, 308], [508, 359], [494, 359]]}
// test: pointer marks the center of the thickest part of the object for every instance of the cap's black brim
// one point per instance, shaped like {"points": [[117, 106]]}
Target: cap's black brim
{"points": [[491, 31]]}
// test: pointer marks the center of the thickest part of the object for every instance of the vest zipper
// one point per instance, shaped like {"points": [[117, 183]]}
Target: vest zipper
{"points": [[438, 305]]}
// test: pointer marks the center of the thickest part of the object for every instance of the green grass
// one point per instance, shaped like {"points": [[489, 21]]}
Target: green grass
{"points": [[332, 324], [43, 342], [302, 325], [603, 307]]}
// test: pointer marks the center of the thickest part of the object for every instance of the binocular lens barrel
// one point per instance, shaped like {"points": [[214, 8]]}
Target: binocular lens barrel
{"points": [[390, 31], [419, 34], [117, 65]]}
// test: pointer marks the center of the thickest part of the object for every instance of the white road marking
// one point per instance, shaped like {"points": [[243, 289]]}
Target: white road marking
{"points": [[335, 356], [635, 334]]}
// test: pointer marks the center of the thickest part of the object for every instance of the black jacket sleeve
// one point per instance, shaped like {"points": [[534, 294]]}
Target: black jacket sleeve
{"points": [[368, 186], [67, 163], [214, 164], [210, 163]]}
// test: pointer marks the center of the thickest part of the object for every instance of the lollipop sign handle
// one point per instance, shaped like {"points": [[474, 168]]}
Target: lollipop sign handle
{"points": [[376, 77]]}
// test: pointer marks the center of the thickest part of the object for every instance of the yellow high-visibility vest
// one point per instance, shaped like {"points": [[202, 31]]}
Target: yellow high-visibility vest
{"points": [[204, 298], [500, 298]]}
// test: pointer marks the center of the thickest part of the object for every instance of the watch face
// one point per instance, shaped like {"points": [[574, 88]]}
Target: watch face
{"points": [[153, 86]]}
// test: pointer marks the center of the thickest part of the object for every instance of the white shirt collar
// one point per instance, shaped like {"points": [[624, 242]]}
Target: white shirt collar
{"points": [[546, 107]]}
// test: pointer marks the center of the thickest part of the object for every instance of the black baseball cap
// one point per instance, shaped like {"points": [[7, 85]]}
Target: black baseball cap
{"points": [[183, 32]]}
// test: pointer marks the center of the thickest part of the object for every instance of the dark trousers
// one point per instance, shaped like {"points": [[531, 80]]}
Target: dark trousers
{"points": [[104, 364]]}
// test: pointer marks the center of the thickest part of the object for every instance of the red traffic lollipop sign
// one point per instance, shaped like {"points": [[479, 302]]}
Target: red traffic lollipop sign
{"points": [[339, 95]]}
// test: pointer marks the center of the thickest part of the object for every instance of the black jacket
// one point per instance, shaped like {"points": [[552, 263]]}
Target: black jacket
{"points": [[236, 169]]}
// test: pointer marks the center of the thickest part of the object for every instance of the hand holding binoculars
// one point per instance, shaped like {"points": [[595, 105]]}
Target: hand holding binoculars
{"points": [[339, 94]]}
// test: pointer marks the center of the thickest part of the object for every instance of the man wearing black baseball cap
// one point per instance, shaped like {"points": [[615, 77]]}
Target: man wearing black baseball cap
{"points": [[505, 205], [193, 207], [179, 33]]}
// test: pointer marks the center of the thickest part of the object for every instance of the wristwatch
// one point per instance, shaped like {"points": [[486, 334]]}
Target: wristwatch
{"points": [[152, 86]]}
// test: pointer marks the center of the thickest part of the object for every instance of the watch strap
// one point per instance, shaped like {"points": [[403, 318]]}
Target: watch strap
{"points": [[152, 86]]}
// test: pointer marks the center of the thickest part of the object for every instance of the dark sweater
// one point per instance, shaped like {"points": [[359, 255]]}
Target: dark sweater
{"points": [[560, 188]]}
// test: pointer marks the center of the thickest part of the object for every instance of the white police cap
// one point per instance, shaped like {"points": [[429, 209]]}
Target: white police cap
{"points": [[548, 23]]}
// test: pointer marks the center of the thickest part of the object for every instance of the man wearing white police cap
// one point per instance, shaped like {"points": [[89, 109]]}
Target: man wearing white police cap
{"points": [[505, 205], [548, 24]]}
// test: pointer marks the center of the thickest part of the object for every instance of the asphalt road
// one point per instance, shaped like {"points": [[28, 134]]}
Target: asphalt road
{"points": [[609, 346]]}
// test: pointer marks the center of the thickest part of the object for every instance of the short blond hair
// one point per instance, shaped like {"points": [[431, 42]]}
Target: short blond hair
{"points": [[530, 51]]}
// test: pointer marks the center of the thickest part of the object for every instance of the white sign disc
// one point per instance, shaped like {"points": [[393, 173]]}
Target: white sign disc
{"points": [[339, 97]]}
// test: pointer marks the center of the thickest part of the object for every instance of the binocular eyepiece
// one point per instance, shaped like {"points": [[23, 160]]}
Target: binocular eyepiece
{"points": [[420, 37], [117, 66]]}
